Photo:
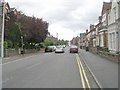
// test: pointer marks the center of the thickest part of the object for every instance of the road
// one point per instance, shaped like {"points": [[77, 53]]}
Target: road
{"points": [[51, 70], [47, 70]]}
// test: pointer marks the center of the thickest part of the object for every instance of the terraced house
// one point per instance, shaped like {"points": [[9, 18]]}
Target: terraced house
{"points": [[103, 29], [114, 27], [103, 38]]}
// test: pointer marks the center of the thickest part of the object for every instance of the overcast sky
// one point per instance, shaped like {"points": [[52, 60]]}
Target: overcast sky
{"points": [[68, 18]]}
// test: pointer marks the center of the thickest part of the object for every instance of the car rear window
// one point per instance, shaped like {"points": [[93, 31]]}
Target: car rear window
{"points": [[74, 47]]}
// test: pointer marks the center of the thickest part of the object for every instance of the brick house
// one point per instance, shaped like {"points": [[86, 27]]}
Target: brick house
{"points": [[91, 36]]}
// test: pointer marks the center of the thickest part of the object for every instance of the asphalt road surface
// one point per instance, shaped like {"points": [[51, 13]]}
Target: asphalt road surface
{"points": [[49, 70], [59, 70]]}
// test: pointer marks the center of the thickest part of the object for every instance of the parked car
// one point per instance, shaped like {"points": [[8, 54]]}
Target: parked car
{"points": [[59, 49], [54, 48], [49, 49], [64, 46], [73, 49]]}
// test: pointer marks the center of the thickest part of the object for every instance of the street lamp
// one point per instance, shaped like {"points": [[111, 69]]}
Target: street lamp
{"points": [[118, 23], [3, 22], [22, 42], [57, 37]]}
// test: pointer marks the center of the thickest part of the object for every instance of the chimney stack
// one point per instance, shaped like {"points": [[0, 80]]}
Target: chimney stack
{"points": [[91, 27]]}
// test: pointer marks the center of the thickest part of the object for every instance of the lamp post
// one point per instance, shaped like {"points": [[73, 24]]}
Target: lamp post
{"points": [[57, 37], [118, 23], [0, 26], [1, 40], [22, 42], [2, 30]]}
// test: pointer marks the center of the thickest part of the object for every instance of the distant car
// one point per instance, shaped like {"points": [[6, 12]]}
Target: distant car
{"points": [[64, 46], [54, 48], [49, 49], [73, 49], [59, 49]]}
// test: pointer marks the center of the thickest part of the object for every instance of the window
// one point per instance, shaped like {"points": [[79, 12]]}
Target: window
{"points": [[110, 36], [114, 13], [113, 40]]}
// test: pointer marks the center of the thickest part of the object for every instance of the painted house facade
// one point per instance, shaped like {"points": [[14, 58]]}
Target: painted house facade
{"points": [[97, 31], [92, 36], [103, 29], [114, 27], [82, 40]]}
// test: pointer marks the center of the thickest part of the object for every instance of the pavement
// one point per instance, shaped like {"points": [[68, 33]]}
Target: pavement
{"points": [[106, 71], [17, 57]]}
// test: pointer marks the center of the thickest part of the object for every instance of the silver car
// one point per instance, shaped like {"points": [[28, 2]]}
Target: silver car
{"points": [[59, 49]]}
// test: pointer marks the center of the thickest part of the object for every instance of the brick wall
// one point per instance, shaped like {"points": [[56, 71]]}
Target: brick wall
{"points": [[10, 52], [13, 52], [93, 50], [108, 55]]}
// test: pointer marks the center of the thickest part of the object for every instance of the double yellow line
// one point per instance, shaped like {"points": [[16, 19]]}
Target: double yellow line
{"points": [[83, 76]]}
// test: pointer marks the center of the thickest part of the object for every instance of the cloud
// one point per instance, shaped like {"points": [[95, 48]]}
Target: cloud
{"points": [[64, 16]]}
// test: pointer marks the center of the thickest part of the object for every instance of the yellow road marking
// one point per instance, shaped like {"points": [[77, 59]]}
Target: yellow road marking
{"points": [[82, 72], [81, 75], [85, 75]]}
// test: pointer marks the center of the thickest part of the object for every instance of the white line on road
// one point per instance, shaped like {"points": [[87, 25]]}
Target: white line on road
{"points": [[18, 60], [7, 79], [32, 66], [4, 81]]}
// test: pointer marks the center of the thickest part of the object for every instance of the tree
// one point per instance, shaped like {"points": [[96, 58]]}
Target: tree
{"points": [[48, 42], [34, 30], [12, 32]]}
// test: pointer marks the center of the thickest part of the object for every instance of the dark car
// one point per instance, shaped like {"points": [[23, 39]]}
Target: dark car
{"points": [[49, 49], [73, 49]]}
